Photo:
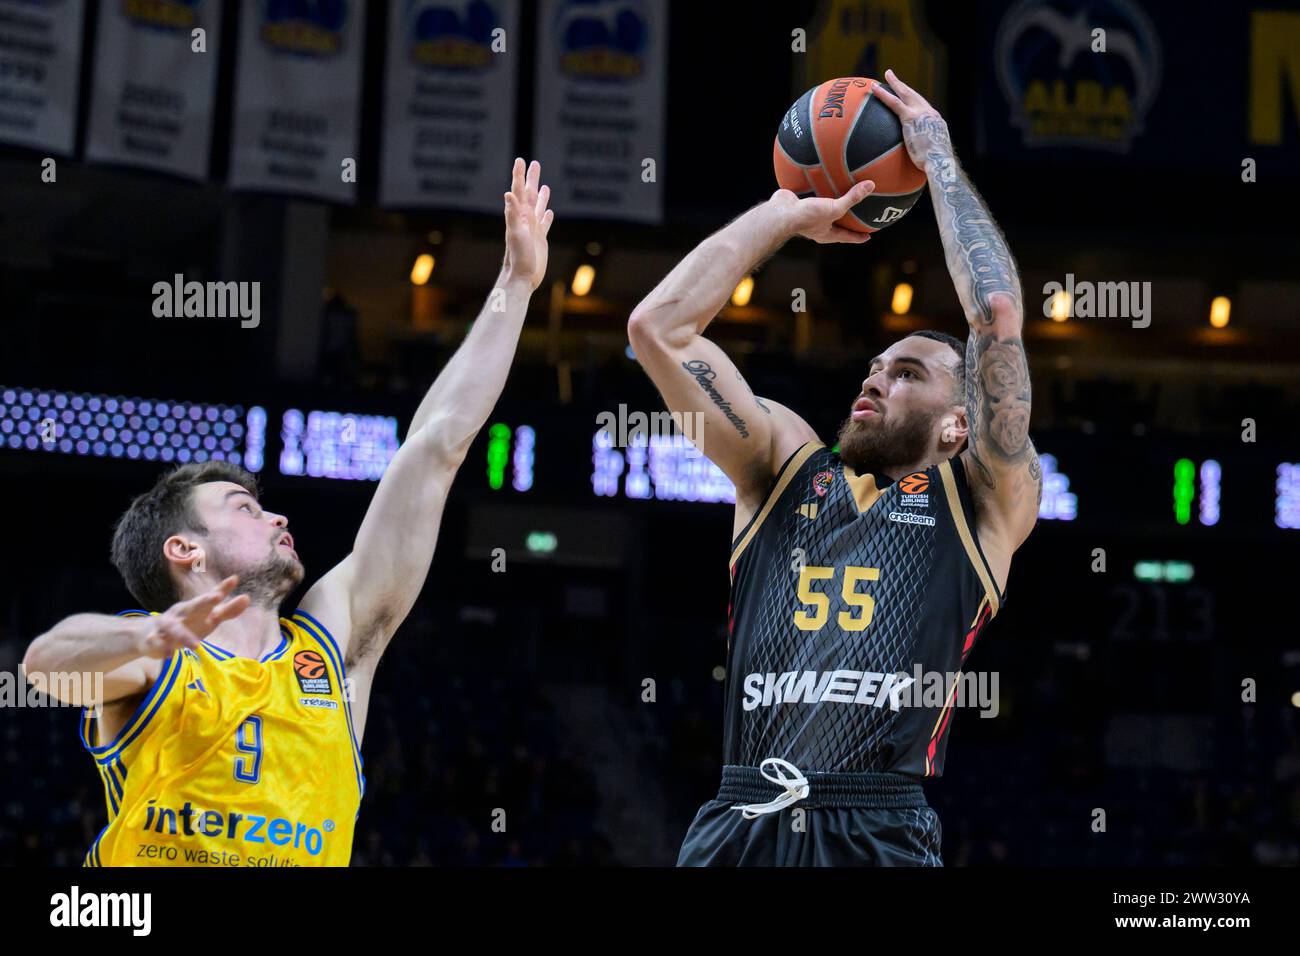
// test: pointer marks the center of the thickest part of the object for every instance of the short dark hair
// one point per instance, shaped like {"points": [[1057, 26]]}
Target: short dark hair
{"points": [[156, 515], [957, 346]]}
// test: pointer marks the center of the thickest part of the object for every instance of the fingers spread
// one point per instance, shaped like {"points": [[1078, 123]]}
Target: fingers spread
{"points": [[229, 609], [517, 177], [530, 183], [902, 87], [888, 98]]}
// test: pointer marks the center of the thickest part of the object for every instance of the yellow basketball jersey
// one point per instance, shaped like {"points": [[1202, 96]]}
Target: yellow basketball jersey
{"points": [[230, 761]]}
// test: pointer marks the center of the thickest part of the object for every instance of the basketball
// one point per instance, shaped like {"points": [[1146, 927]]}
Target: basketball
{"points": [[838, 134]]}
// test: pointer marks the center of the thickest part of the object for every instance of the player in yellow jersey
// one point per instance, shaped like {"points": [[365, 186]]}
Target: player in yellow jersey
{"points": [[227, 734]]}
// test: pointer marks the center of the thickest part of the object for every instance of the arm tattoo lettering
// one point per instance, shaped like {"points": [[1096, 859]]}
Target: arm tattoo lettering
{"points": [[704, 375]]}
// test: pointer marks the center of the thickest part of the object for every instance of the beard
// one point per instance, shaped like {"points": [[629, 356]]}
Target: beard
{"points": [[269, 582], [884, 445]]}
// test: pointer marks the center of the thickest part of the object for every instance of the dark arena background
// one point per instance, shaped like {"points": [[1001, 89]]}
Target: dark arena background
{"points": [[1147, 657]]}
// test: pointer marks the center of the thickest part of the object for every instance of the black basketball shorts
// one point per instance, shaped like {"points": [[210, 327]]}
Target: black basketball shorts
{"points": [[867, 819]]}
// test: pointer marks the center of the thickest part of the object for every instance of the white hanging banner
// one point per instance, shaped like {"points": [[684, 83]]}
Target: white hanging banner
{"points": [[152, 99], [40, 70], [449, 103], [599, 117], [297, 98]]}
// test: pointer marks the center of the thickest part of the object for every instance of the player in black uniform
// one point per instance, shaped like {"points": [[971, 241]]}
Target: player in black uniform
{"points": [[851, 570]]}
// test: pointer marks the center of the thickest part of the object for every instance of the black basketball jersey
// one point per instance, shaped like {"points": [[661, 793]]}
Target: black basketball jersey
{"points": [[842, 585]]}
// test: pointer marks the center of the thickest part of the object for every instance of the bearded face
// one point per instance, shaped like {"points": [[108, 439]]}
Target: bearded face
{"points": [[267, 582], [889, 442], [242, 538]]}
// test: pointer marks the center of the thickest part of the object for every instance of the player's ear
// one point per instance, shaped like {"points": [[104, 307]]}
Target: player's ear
{"points": [[185, 554], [954, 428]]}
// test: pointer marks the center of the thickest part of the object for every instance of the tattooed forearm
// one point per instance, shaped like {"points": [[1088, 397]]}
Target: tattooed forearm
{"points": [[704, 375], [997, 408], [761, 405], [998, 383], [978, 258]]}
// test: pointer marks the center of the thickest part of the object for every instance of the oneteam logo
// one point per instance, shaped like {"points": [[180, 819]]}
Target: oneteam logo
{"points": [[75, 908], [907, 517]]}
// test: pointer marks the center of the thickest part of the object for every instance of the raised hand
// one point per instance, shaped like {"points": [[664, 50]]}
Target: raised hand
{"points": [[187, 623], [925, 132], [527, 223], [815, 218]]}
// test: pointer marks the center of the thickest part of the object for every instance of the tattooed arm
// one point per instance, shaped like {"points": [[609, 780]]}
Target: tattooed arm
{"points": [[747, 437], [1005, 476]]}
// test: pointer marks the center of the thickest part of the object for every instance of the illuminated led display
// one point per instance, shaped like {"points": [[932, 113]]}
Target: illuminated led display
{"points": [[337, 445], [1287, 506], [666, 467], [113, 426], [1185, 490], [499, 453], [522, 460], [1059, 503], [1175, 572], [1210, 473], [1184, 473]]}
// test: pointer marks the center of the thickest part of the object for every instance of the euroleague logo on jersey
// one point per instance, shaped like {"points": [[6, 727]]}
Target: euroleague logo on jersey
{"points": [[313, 676], [913, 490], [822, 482]]}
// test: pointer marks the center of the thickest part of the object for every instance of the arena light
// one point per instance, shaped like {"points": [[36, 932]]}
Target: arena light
{"points": [[1211, 472], [1287, 503], [515, 446], [322, 444], [1172, 572], [1184, 474], [583, 279], [1061, 303], [743, 292], [541, 542], [422, 269], [902, 300], [138, 429], [1220, 310], [497, 453]]}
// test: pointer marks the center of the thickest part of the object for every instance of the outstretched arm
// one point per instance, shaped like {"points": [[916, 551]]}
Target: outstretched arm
{"points": [[743, 435], [1007, 480], [367, 595]]}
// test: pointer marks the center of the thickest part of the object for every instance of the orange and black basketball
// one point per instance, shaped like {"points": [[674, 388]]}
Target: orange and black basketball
{"points": [[308, 664], [838, 134]]}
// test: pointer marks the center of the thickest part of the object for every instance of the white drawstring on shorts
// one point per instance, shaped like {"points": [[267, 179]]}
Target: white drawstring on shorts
{"points": [[795, 783]]}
